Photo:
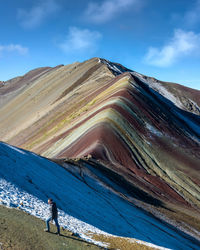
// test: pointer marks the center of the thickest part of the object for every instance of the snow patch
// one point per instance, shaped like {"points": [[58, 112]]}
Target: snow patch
{"points": [[14, 197], [114, 67], [160, 89], [153, 129], [17, 149]]}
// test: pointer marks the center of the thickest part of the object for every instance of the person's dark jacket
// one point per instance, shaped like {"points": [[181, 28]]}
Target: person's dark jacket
{"points": [[53, 210]]}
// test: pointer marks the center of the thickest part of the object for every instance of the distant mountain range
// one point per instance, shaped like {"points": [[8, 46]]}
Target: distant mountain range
{"points": [[136, 131]]}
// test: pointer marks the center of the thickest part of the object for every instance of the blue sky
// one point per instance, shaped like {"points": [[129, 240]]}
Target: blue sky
{"points": [[153, 37]]}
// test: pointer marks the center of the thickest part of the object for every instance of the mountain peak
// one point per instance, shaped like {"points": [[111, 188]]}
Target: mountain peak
{"points": [[145, 130]]}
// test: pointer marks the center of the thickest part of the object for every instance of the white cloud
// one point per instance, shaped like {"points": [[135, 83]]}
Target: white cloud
{"points": [[80, 40], [183, 43], [37, 14], [192, 16], [107, 9], [13, 48]]}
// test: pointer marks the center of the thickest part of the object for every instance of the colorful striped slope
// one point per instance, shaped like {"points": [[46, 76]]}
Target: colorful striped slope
{"points": [[143, 131]]}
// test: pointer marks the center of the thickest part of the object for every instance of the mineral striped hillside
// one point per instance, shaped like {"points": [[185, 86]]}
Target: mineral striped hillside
{"points": [[141, 133]]}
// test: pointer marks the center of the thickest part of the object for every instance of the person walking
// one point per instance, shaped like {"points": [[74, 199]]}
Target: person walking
{"points": [[53, 216]]}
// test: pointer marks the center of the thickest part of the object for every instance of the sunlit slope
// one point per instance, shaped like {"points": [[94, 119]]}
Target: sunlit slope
{"points": [[50, 96], [146, 131], [11, 88], [139, 135]]}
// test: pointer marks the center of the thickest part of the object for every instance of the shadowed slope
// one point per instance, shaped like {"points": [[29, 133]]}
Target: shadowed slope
{"points": [[79, 192]]}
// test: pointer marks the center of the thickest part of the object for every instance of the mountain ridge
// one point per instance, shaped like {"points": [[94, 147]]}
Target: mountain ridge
{"points": [[142, 130]]}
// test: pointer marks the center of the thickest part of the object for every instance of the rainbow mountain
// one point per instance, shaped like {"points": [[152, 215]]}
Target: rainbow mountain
{"points": [[138, 134]]}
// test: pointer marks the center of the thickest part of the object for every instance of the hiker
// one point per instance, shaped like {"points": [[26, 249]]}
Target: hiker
{"points": [[53, 216]]}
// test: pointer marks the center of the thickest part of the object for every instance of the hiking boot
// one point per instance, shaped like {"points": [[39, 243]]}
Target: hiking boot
{"points": [[75, 234], [58, 234], [46, 230]]}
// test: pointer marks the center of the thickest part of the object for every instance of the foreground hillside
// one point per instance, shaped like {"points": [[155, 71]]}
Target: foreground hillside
{"points": [[20, 230], [87, 205]]}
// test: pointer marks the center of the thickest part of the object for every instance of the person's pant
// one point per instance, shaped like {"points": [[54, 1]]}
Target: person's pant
{"points": [[56, 222]]}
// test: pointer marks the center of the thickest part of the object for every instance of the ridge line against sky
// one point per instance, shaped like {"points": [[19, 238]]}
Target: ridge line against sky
{"points": [[156, 38]]}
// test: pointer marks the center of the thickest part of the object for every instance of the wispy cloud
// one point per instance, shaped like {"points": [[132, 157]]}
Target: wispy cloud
{"points": [[33, 17], [183, 43], [80, 40], [107, 9], [13, 48], [192, 16]]}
